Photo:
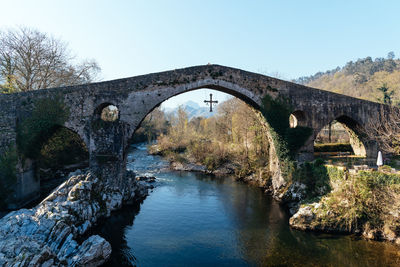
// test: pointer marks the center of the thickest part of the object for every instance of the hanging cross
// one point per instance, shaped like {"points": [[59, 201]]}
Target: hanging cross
{"points": [[210, 102]]}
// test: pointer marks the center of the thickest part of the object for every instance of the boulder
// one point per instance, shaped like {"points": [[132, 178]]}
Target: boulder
{"points": [[46, 234], [303, 218]]}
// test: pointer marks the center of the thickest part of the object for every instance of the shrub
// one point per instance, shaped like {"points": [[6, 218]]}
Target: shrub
{"points": [[316, 177], [366, 198], [64, 147]]}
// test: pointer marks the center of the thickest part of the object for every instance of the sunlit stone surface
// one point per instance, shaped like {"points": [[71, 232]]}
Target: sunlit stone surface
{"points": [[47, 234]]}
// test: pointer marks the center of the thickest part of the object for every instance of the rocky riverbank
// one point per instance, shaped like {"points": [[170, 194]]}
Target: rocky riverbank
{"points": [[48, 234], [228, 168], [314, 217], [194, 167], [186, 161], [365, 203], [257, 179]]}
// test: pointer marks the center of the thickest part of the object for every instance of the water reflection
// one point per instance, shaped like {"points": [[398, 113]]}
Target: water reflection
{"points": [[197, 220], [113, 230]]}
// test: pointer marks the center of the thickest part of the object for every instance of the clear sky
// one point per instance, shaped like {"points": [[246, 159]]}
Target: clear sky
{"points": [[288, 38]]}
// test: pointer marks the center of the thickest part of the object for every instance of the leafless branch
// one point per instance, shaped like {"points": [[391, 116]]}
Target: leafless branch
{"points": [[386, 129], [31, 60]]}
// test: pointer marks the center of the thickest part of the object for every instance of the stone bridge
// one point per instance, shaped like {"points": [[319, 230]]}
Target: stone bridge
{"points": [[79, 107]]}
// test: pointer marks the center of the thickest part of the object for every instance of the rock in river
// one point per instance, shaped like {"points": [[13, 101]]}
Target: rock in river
{"points": [[47, 234]]}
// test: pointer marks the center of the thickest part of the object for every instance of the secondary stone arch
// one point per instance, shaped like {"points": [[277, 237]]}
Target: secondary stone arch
{"points": [[32, 167], [357, 134], [359, 141]]}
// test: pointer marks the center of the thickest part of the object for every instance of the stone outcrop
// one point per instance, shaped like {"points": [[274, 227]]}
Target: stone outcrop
{"points": [[313, 217], [306, 219], [192, 166], [48, 234], [179, 166]]}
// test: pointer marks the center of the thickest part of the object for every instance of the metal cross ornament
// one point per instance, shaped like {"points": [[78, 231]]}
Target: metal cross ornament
{"points": [[211, 102]]}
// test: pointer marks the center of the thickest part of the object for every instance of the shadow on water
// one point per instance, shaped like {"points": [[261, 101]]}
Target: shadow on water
{"points": [[198, 220], [113, 230]]}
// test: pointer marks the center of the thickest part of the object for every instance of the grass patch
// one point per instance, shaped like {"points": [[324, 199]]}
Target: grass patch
{"points": [[333, 147]]}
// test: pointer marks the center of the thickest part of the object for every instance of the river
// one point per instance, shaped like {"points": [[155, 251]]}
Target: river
{"points": [[194, 219]]}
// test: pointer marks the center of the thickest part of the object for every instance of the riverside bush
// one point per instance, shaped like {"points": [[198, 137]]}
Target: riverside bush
{"points": [[315, 176], [366, 198], [63, 148]]}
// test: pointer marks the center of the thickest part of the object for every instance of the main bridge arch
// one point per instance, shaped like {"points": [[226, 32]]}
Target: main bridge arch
{"points": [[135, 107], [135, 97], [152, 99]]}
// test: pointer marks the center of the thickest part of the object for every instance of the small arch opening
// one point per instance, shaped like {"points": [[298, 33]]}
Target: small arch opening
{"points": [[109, 113], [297, 118]]}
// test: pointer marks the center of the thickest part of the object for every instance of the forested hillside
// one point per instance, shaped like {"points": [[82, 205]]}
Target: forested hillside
{"points": [[372, 79]]}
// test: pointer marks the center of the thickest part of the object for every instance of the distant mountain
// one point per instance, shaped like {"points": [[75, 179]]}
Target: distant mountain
{"points": [[193, 110]]}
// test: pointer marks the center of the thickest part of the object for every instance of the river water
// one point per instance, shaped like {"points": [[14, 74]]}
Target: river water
{"points": [[194, 219]]}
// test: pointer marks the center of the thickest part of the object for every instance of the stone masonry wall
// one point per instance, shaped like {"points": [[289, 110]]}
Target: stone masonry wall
{"points": [[7, 122]]}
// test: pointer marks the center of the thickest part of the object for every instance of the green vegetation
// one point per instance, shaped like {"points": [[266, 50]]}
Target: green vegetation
{"points": [[287, 140], [237, 136], [375, 80], [318, 178], [347, 161], [27, 62], [8, 162], [387, 94], [365, 200], [394, 162], [63, 148]]}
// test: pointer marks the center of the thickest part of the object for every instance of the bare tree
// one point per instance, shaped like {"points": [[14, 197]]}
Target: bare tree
{"points": [[386, 129], [31, 60]]}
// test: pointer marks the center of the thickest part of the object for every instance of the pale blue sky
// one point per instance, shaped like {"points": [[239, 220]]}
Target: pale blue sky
{"points": [[292, 38]]}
